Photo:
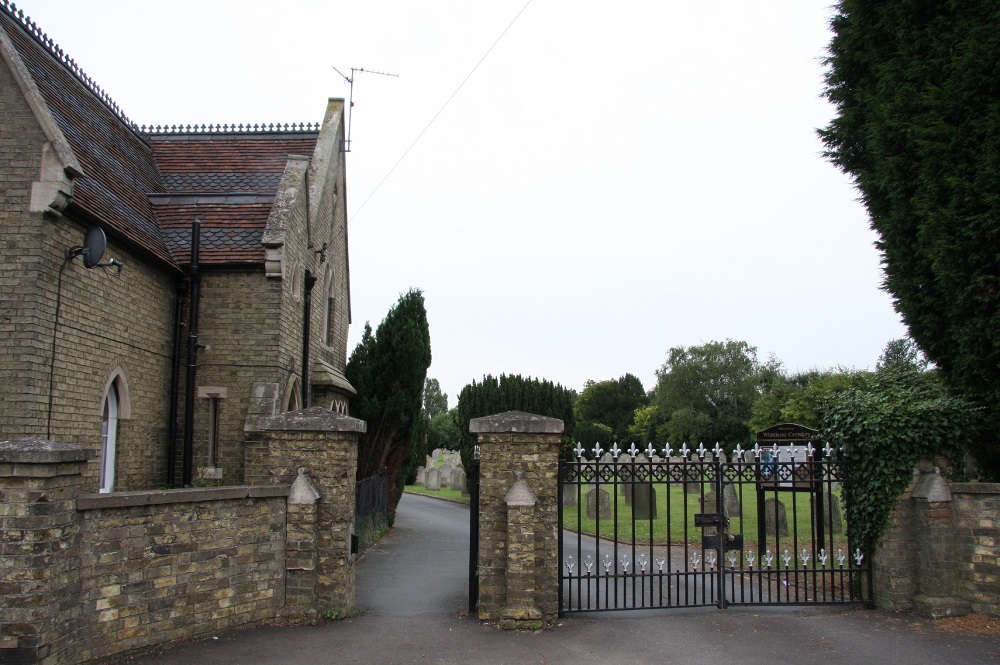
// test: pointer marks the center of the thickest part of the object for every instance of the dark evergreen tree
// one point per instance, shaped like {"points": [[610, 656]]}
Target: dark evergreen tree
{"points": [[388, 369], [916, 86], [513, 393]]}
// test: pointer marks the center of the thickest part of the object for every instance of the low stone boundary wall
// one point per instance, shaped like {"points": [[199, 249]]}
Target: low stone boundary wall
{"points": [[164, 566], [941, 553], [86, 577], [976, 530]]}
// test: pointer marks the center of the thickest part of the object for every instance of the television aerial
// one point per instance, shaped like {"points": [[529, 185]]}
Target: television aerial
{"points": [[350, 107]]}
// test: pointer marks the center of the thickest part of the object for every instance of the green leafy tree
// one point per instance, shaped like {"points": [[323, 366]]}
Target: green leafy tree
{"points": [[443, 431], [513, 393], [612, 404], [886, 422], [648, 426], [587, 434], [706, 393], [795, 399], [917, 128], [435, 402], [388, 369]]}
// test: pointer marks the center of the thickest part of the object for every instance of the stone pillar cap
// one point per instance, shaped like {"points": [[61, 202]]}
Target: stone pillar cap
{"points": [[313, 419], [516, 422], [932, 487], [303, 491], [520, 494]]}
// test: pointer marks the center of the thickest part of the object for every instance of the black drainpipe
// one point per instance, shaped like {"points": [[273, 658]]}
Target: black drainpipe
{"points": [[192, 354], [175, 385], [307, 315]]}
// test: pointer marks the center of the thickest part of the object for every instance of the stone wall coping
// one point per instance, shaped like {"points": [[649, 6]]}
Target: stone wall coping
{"points": [[187, 495], [313, 419], [39, 451], [975, 488], [517, 422]]}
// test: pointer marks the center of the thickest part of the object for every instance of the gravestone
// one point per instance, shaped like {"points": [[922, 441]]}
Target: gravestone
{"points": [[624, 458], [446, 470], [458, 480], [709, 505], [731, 499], [569, 495], [421, 475], [598, 502], [435, 455], [433, 478], [774, 516], [833, 520], [607, 458], [643, 501]]}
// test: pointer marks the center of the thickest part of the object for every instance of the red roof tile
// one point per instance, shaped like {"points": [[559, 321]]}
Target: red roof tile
{"points": [[150, 187]]}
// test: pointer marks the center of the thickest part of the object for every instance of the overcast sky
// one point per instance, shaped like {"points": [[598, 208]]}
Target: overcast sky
{"points": [[612, 180]]}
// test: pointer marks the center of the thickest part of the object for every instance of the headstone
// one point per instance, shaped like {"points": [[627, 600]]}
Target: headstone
{"points": [[731, 499], [643, 501], [598, 503], [433, 479], [607, 458], [446, 470], [569, 491], [458, 481], [421, 475], [709, 505], [625, 458], [775, 517], [436, 455], [833, 520]]}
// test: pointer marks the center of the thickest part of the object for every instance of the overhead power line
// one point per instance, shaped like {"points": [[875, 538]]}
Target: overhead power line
{"points": [[441, 110]]}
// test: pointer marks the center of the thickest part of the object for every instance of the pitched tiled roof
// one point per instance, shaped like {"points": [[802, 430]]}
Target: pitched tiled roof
{"points": [[150, 187], [198, 167], [229, 233], [117, 163]]}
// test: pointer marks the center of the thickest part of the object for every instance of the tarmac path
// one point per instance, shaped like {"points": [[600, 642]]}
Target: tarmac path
{"points": [[413, 590]]}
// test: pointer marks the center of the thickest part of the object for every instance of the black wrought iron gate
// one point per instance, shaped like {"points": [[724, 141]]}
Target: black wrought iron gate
{"points": [[690, 528]]}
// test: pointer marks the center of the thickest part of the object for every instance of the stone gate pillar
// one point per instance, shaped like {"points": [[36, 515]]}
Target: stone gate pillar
{"points": [[324, 444], [934, 539], [518, 518], [39, 547]]}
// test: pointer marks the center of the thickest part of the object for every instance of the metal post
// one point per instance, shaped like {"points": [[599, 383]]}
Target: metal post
{"points": [[474, 532]]}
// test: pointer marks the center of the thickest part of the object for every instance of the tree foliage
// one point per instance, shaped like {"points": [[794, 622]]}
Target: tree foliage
{"points": [[388, 368], [443, 432], [435, 402], [611, 403], [705, 393], [513, 393], [917, 127], [886, 422], [796, 398]]}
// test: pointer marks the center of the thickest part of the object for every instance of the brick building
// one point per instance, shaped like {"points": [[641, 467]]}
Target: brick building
{"points": [[99, 356]]}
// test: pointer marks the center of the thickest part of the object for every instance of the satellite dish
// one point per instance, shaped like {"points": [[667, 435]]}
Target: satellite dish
{"points": [[94, 244]]}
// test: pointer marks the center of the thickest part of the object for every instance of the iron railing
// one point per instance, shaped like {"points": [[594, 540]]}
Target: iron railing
{"points": [[372, 510], [638, 530]]}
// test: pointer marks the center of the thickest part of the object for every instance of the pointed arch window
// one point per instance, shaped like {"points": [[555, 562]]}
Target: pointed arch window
{"points": [[109, 438], [330, 318]]}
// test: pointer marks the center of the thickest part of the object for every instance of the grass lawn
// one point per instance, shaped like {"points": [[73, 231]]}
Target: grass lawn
{"points": [[677, 509], [454, 495]]}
